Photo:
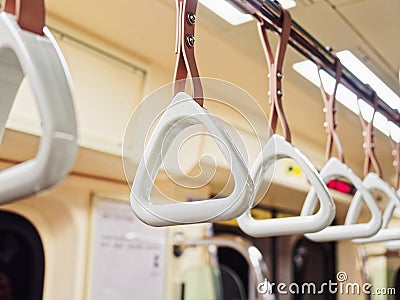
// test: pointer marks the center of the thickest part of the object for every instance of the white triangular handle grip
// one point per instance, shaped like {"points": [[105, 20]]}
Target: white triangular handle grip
{"points": [[276, 148], [333, 169], [182, 112], [40, 60], [393, 245], [373, 182]]}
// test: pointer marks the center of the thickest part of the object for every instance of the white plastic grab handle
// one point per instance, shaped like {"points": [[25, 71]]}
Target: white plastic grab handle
{"points": [[40, 60], [333, 169], [276, 148], [182, 112], [392, 245], [373, 182]]}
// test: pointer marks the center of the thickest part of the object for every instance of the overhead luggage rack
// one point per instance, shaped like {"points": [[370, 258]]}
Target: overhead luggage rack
{"points": [[310, 48]]}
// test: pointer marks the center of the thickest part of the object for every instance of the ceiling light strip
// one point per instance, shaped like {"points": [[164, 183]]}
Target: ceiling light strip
{"points": [[346, 97]]}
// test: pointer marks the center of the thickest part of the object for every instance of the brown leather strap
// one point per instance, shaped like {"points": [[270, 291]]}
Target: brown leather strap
{"points": [[30, 14], [275, 65], [330, 112], [396, 162], [369, 145], [186, 61]]}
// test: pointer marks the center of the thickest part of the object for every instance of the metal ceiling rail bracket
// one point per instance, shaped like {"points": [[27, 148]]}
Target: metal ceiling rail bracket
{"points": [[313, 50]]}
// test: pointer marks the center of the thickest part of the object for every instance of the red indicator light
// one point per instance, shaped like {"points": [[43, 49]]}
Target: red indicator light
{"points": [[341, 186]]}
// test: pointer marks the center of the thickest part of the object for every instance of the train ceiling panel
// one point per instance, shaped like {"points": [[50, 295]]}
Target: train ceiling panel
{"points": [[378, 24]]}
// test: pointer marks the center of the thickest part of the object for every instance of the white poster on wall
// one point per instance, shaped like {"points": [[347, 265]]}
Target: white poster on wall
{"points": [[127, 256]]}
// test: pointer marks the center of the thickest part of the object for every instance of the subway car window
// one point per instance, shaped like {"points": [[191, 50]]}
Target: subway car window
{"points": [[234, 274], [233, 267], [21, 259], [313, 263]]}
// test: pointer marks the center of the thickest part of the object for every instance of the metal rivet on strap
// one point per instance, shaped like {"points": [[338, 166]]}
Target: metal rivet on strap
{"points": [[191, 17], [280, 93], [190, 40]]}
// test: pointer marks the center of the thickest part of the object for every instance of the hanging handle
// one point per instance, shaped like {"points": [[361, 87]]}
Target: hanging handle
{"points": [[334, 168], [185, 43], [330, 112], [22, 55], [180, 114], [373, 182], [185, 111], [275, 66], [30, 14], [276, 148]]}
